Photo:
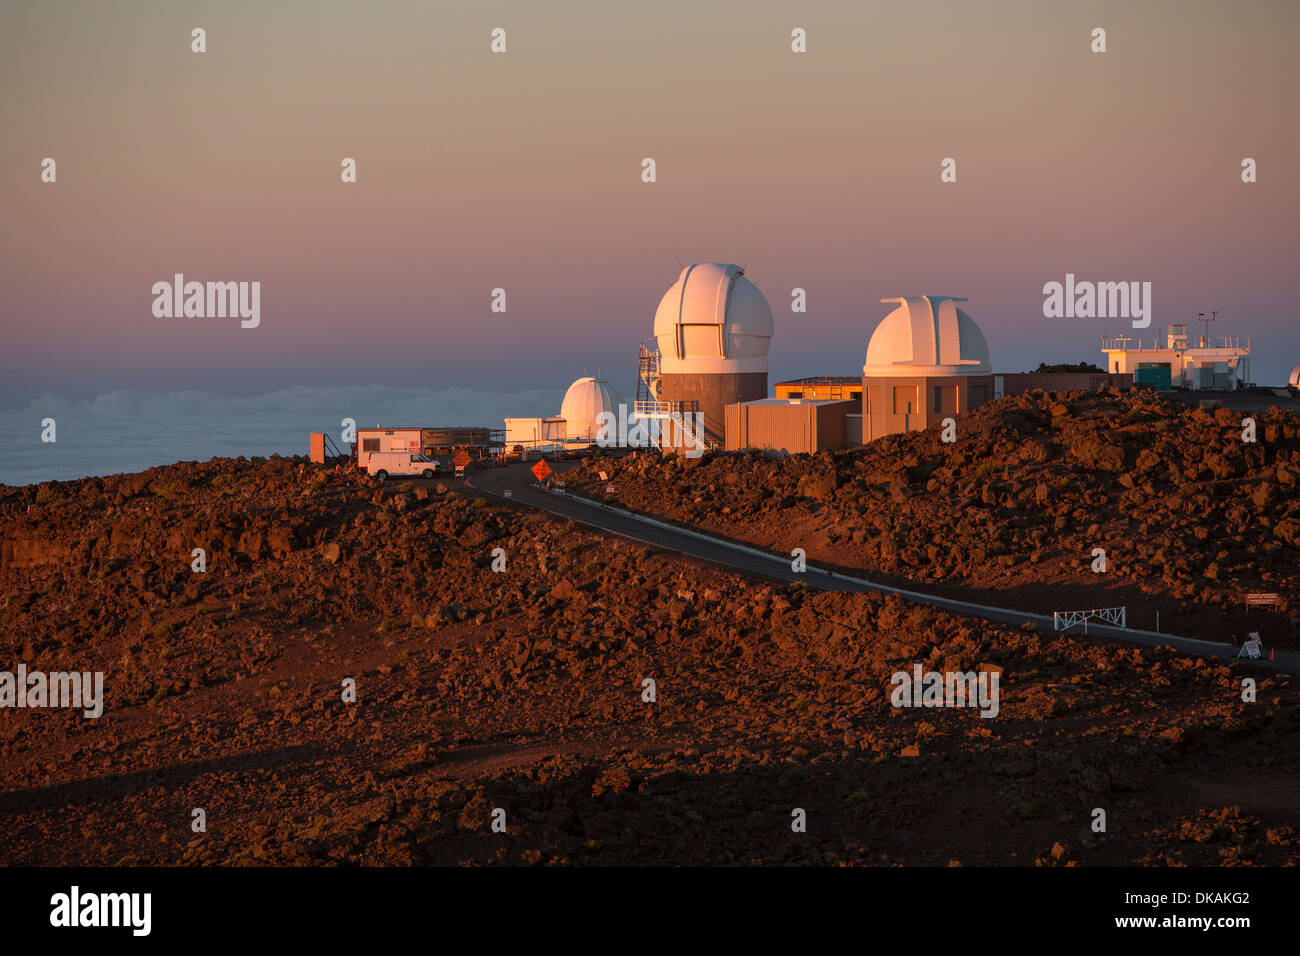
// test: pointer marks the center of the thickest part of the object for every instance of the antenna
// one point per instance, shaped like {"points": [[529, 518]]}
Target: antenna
{"points": [[1214, 315], [679, 261], [746, 265]]}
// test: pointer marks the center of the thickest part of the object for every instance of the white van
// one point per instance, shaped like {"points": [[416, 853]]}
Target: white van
{"points": [[381, 464]]}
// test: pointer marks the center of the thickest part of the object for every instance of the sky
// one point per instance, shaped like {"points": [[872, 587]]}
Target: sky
{"points": [[523, 171]]}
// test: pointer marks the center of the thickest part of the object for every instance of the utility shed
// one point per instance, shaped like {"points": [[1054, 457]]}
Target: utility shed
{"points": [[535, 432], [789, 425]]}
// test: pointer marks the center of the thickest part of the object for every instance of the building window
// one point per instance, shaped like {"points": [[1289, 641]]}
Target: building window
{"points": [[793, 394], [370, 444], [938, 400]]}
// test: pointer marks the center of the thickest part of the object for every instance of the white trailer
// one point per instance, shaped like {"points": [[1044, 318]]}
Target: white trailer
{"points": [[389, 439]]}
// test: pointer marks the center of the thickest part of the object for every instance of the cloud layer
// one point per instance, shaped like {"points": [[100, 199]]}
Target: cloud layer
{"points": [[126, 431]]}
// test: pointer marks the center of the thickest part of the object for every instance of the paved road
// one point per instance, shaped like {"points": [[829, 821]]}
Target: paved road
{"points": [[524, 489]]}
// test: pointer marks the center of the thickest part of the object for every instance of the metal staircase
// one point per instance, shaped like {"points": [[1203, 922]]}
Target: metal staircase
{"points": [[649, 405], [331, 449]]}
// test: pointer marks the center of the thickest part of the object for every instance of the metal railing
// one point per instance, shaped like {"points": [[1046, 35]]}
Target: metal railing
{"points": [[1126, 344], [1064, 620], [663, 409], [652, 409]]}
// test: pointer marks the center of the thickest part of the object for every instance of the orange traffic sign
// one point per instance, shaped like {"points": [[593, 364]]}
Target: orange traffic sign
{"points": [[541, 470], [461, 459]]}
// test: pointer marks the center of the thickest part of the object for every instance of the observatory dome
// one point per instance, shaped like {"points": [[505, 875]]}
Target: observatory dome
{"points": [[927, 335], [583, 403], [1294, 380], [713, 320]]}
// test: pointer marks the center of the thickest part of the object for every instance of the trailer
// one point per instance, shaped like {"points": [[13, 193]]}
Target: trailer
{"points": [[385, 440]]}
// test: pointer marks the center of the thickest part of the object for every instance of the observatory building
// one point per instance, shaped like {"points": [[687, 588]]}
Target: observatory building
{"points": [[585, 401], [713, 328], [926, 361], [577, 424], [1221, 363]]}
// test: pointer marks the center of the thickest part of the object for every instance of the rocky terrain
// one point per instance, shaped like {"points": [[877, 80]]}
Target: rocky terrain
{"points": [[1190, 517], [522, 689]]}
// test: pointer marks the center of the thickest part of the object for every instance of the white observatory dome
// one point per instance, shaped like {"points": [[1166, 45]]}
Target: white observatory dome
{"points": [[713, 320], [1294, 380], [927, 335], [583, 403]]}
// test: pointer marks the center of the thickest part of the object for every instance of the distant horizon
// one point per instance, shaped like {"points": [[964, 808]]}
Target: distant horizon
{"points": [[1269, 368], [129, 431]]}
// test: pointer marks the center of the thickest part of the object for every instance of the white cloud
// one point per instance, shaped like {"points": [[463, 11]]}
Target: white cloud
{"points": [[127, 431]]}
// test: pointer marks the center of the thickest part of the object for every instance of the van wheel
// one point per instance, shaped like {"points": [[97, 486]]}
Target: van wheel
{"points": [[428, 473], [381, 475]]}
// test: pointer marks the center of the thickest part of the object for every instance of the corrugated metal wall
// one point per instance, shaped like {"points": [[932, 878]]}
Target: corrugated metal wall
{"points": [[793, 429]]}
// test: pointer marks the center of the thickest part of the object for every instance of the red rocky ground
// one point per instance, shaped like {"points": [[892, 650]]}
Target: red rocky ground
{"points": [[522, 691], [1191, 517]]}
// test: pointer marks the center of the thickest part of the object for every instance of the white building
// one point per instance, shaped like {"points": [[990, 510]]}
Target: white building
{"points": [[926, 361], [1176, 362], [585, 401], [381, 439], [543, 433], [713, 328], [578, 423]]}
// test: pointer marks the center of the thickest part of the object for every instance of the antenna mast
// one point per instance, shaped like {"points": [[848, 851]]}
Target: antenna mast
{"points": [[1205, 335]]}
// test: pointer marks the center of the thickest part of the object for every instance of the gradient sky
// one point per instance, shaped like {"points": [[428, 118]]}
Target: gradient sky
{"points": [[523, 171]]}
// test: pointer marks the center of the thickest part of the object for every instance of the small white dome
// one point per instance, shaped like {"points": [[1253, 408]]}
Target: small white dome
{"points": [[1294, 380], [927, 335], [712, 320], [583, 403]]}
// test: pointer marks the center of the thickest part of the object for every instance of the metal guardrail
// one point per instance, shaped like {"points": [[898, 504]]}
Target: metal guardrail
{"points": [[1124, 344], [663, 409], [652, 409], [1115, 616]]}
